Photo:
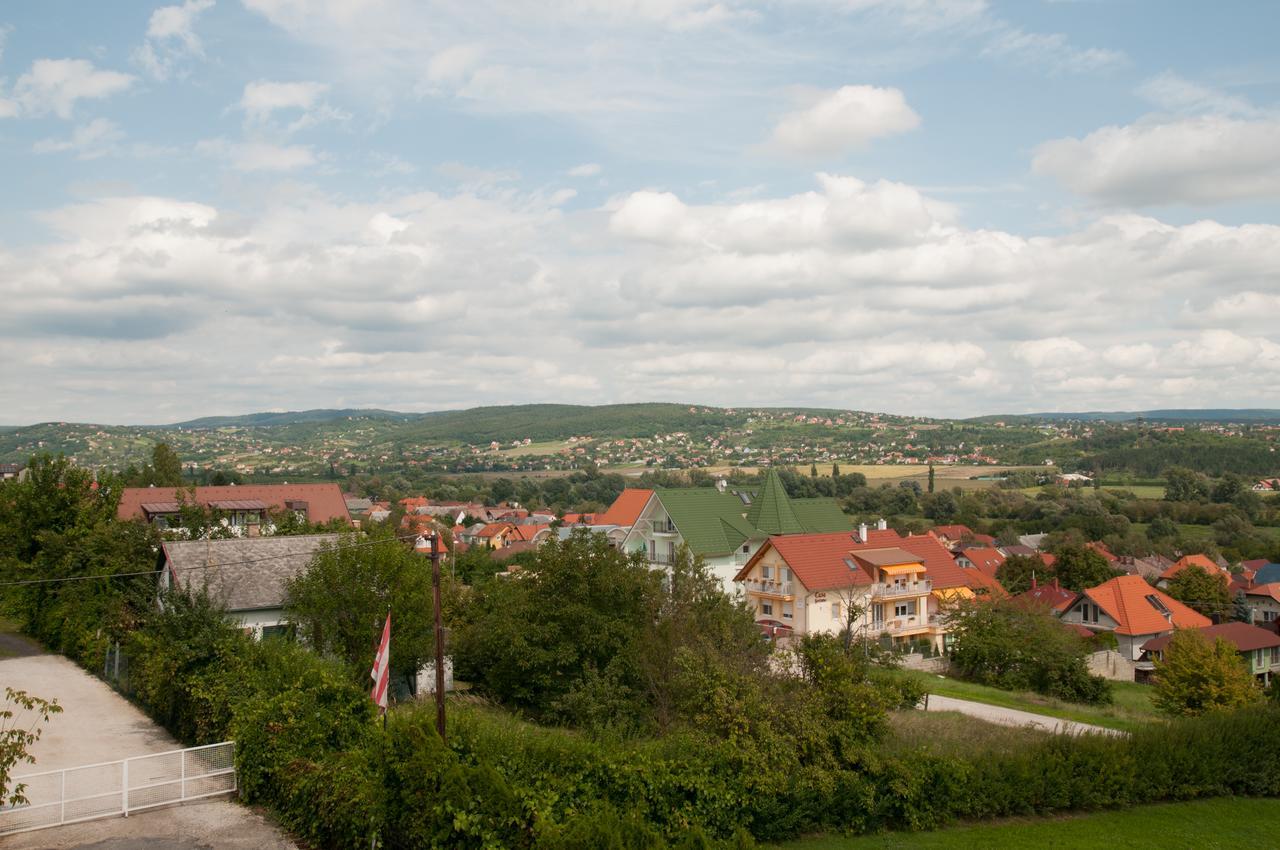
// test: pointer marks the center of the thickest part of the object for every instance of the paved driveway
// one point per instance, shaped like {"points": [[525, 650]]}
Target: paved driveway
{"points": [[1012, 717], [97, 725]]}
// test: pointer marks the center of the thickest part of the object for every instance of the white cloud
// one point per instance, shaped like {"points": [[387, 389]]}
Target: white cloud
{"points": [[1175, 93], [1051, 352], [1052, 50], [55, 85], [846, 119], [89, 141], [586, 169], [171, 36], [259, 156], [1201, 160], [263, 97]]}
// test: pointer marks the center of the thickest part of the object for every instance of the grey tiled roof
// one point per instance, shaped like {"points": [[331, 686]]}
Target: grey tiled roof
{"points": [[242, 574]]}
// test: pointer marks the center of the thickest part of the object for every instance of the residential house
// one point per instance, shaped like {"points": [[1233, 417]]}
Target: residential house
{"points": [[245, 507], [1259, 648], [10, 470], [495, 535], [1201, 561], [957, 536], [1263, 602], [1148, 568], [1267, 574], [726, 527], [806, 583], [984, 558], [1267, 485], [1032, 541], [626, 509], [1133, 611], [246, 575], [1050, 595]]}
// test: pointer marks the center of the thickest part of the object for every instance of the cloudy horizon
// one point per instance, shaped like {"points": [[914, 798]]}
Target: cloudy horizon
{"points": [[944, 208]]}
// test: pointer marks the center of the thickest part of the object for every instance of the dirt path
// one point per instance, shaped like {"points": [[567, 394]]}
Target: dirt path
{"points": [[1013, 717], [99, 725]]}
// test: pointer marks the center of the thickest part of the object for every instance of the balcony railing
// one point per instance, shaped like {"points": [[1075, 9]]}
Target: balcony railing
{"points": [[664, 526], [889, 590], [911, 622], [769, 587], [662, 558]]}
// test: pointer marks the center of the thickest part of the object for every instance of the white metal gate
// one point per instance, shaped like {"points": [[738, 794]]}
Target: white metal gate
{"points": [[120, 787]]}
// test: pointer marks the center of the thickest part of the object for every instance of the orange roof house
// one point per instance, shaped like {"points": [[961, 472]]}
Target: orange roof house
{"points": [[626, 509], [1051, 595], [982, 558], [321, 503], [1202, 561], [1133, 610]]}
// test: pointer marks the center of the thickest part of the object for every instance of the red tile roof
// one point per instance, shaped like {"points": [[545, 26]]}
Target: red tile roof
{"points": [[1101, 548], [324, 501], [625, 509], [1271, 590], [823, 560], [1202, 561], [1051, 595], [984, 558], [493, 529], [1243, 636], [525, 533], [1129, 601]]}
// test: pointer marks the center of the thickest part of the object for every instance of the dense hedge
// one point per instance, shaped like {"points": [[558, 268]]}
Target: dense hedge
{"points": [[310, 748]]}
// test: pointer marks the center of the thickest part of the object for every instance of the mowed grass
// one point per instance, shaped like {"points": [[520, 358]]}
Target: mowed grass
{"points": [[1130, 710], [1218, 824]]}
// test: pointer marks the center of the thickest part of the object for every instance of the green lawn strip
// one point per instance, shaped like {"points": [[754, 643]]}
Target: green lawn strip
{"points": [[1131, 710], [1217, 824]]}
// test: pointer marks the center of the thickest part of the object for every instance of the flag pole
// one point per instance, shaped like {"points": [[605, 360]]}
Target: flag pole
{"points": [[435, 589]]}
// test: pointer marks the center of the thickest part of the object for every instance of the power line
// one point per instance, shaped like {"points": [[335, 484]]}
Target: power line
{"points": [[35, 581]]}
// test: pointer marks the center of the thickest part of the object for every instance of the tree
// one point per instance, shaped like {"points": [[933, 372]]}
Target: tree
{"points": [[942, 507], [1206, 592], [835, 471], [1196, 676], [813, 470], [930, 478], [1016, 572], [166, 467], [16, 739], [1185, 485], [1162, 528], [1078, 567], [340, 602], [1014, 647]]}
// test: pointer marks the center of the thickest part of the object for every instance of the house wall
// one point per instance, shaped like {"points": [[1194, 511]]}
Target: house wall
{"points": [[1262, 609], [255, 621], [724, 567]]}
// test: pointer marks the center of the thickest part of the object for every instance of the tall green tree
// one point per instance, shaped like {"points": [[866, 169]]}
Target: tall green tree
{"points": [[1206, 592], [931, 478], [340, 602], [1185, 485], [1017, 571], [166, 466], [1197, 675], [1078, 567]]}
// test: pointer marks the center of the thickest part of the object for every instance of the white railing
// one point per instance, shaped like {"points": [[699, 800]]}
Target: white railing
{"points": [[770, 586], [889, 590], [112, 788]]}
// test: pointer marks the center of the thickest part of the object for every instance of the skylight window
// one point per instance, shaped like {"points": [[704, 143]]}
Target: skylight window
{"points": [[1157, 604]]}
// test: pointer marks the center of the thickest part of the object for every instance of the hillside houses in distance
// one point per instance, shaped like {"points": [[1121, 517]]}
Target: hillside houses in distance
{"points": [[243, 509]]}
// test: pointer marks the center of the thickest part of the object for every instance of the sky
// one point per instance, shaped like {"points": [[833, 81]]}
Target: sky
{"points": [[932, 207]]}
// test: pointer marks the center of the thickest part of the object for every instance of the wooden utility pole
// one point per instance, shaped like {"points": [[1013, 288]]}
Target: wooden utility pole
{"points": [[435, 588]]}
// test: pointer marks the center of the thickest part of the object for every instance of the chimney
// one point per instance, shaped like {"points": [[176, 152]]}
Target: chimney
{"points": [[882, 524], [862, 532], [1033, 581]]}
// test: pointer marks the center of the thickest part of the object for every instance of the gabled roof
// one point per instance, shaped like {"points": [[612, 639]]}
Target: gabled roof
{"points": [[1101, 548], [493, 529], [245, 573], [1243, 636], [984, 558], [1201, 561], [1136, 607], [1053, 596], [951, 532], [1270, 590], [827, 559], [526, 533], [771, 510], [626, 509], [1267, 574], [324, 502], [715, 523]]}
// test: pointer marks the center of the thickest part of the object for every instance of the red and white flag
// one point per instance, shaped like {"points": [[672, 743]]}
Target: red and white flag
{"points": [[381, 672]]}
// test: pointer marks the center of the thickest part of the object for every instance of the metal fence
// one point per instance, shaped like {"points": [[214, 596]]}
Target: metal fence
{"points": [[120, 787]]}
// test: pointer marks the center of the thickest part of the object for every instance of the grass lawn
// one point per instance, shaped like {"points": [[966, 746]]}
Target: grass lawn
{"points": [[1132, 707], [1228, 822]]}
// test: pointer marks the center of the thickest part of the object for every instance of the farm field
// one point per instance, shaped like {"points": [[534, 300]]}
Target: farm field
{"points": [[1131, 710], [1218, 824]]}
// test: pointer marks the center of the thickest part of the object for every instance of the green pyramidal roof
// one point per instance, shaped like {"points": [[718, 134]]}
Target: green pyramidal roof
{"points": [[771, 510]]}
